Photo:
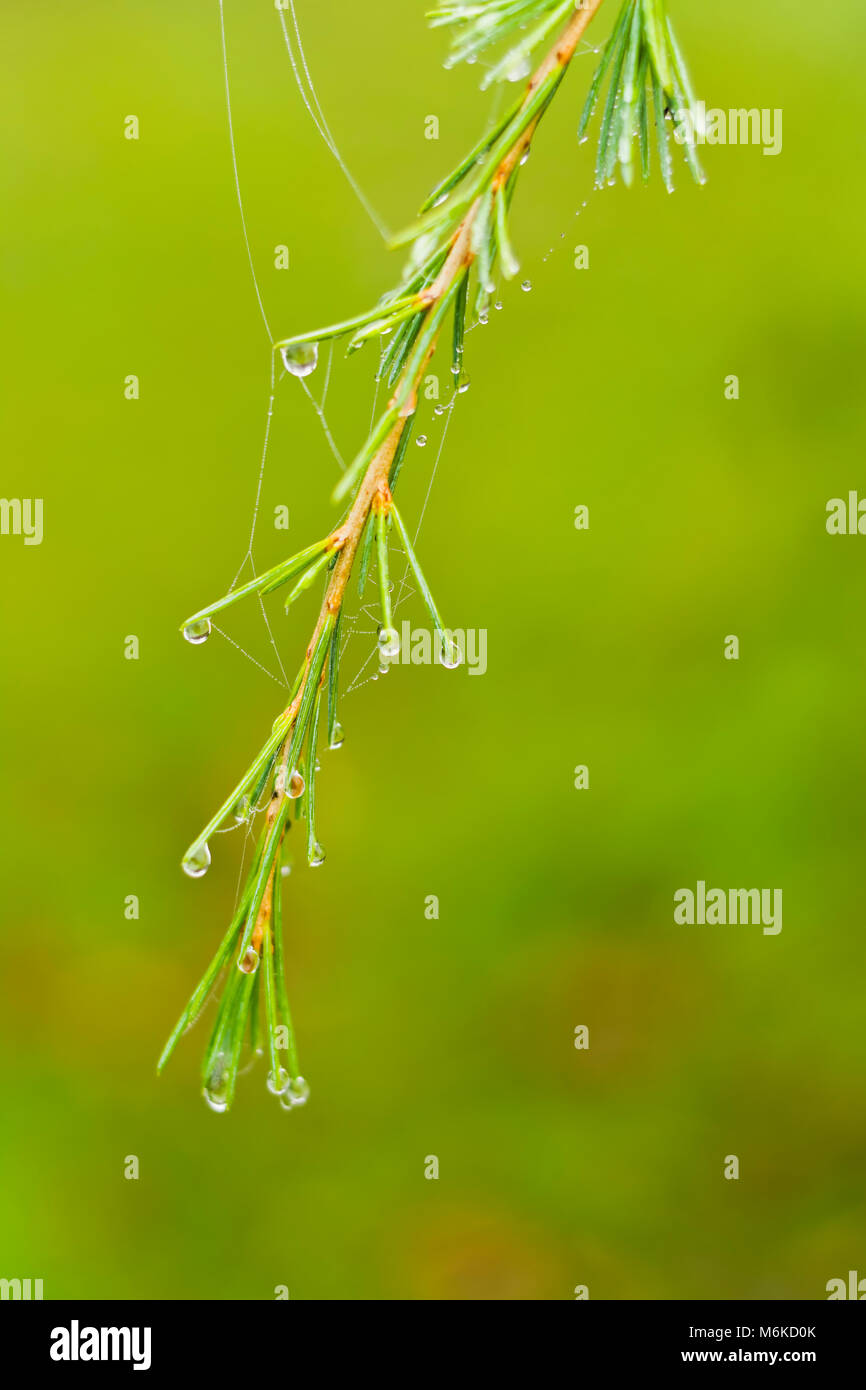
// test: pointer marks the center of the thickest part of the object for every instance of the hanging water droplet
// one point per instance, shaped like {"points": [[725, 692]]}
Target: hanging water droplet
{"points": [[337, 736], [299, 1090], [519, 68], [297, 1093], [216, 1088], [301, 359], [465, 382], [241, 810], [215, 1101], [526, 286], [389, 643], [438, 410], [197, 862], [422, 249], [449, 654], [421, 441], [296, 785], [316, 856], [498, 304], [250, 962], [524, 158], [276, 1085], [197, 631]]}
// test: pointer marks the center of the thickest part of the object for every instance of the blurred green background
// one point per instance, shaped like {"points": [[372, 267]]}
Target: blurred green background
{"points": [[604, 387]]}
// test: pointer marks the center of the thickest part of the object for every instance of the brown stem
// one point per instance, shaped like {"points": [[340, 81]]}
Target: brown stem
{"points": [[347, 538]]}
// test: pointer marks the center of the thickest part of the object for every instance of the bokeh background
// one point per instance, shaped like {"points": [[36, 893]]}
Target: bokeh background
{"points": [[603, 387]]}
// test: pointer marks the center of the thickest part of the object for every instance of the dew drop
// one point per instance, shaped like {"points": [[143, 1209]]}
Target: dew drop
{"points": [[296, 785], [197, 863], [463, 385], [299, 1090], [316, 856], [197, 631], [285, 870], [524, 158], [215, 1100], [389, 643], [300, 360], [421, 441], [250, 963], [519, 69], [526, 286], [216, 1088], [296, 1093], [439, 410], [241, 810], [449, 654], [337, 736], [277, 1085], [498, 305]]}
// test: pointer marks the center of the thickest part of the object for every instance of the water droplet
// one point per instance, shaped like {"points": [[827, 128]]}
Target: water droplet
{"points": [[498, 304], [197, 631], [519, 69], [449, 654], [422, 248], [241, 810], [285, 870], [215, 1100], [250, 963], [389, 643], [216, 1088], [297, 1093], [299, 1090], [316, 856], [337, 736], [278, 1085], [300, 359], [439, 410], [197, 863], [464, 383], [526, 286], [421, 441], [296, 785], [524, 158]]}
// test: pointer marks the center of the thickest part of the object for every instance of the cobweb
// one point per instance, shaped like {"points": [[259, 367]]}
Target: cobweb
{"points": [[363, 625]]}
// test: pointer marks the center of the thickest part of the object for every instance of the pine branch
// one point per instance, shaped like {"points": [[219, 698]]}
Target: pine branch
{"points": [[459, 237]]}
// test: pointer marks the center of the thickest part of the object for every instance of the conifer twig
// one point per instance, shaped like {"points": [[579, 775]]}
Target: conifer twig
{"points": [[462, 228]]}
